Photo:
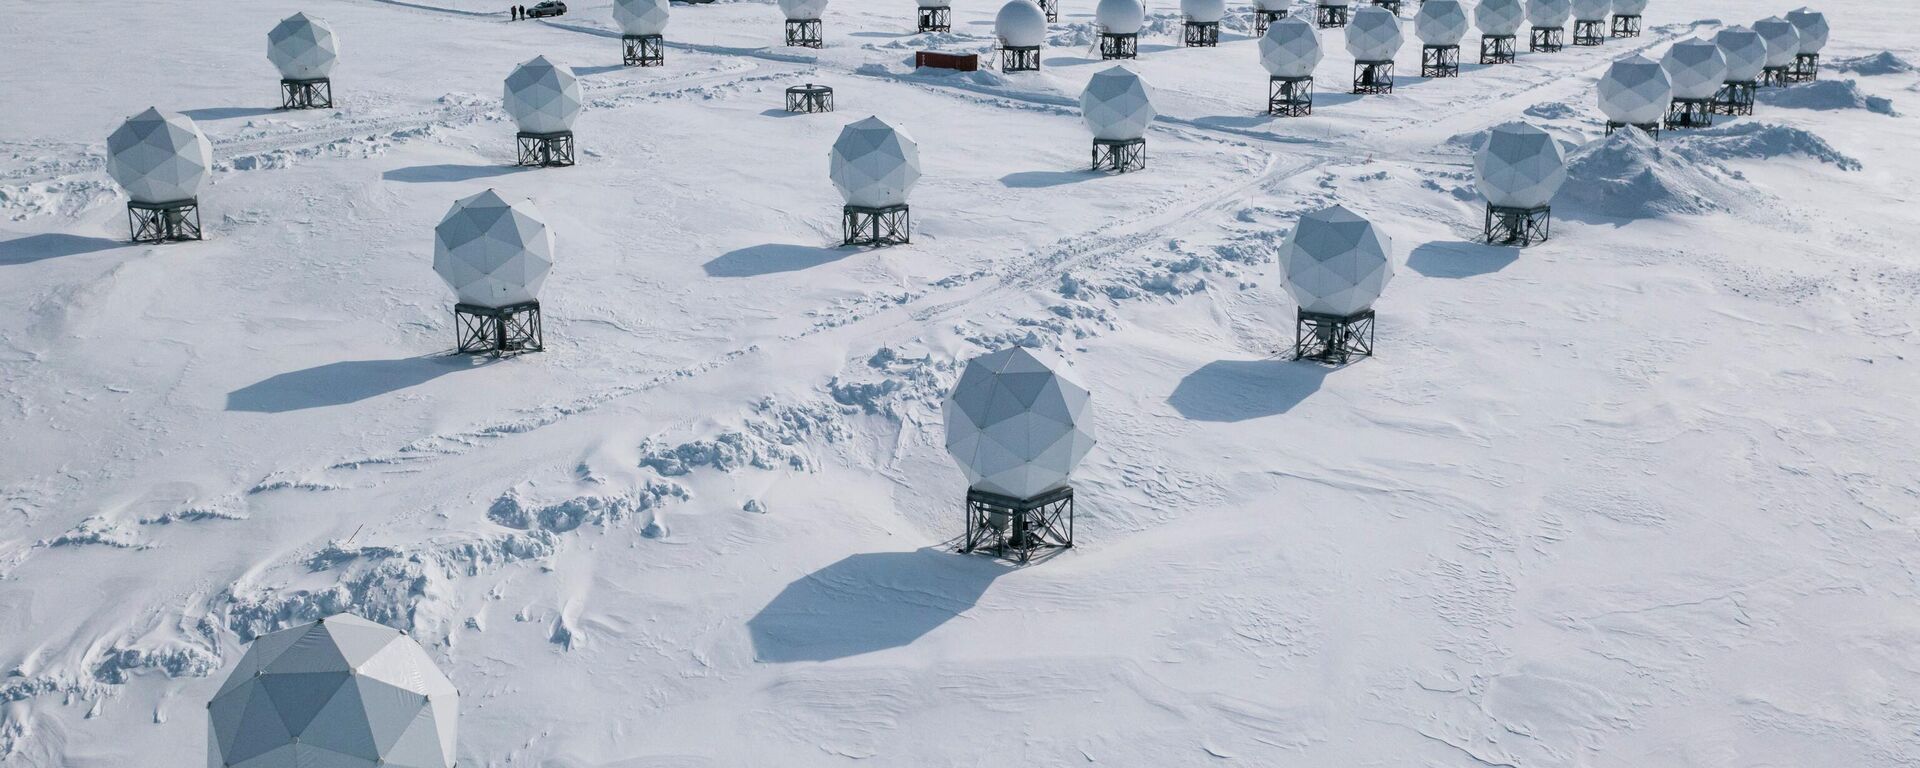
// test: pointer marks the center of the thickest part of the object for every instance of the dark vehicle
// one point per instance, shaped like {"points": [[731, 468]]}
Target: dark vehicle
{"points": [[546, 8]]}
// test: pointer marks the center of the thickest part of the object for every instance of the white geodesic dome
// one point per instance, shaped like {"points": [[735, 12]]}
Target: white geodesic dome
{"points": [[1290, 48], [1549, 13], [1782, 39], [1335, 262], [493, 253], [1021, 24], [1120, 17], [1591, 10], [342, 692], [1745, 51], [1204, 10], [1696, 68], [159, 157], [1017, 424], [1373, 34], [874, 164], [803, 10], [1812, 26], [1520, 166], [1440, 22], [641, 17], [1499, 17], [1117, 105], [542, 97], [1272, 5], [1635, 91], [303, 48], [1629, 7]]}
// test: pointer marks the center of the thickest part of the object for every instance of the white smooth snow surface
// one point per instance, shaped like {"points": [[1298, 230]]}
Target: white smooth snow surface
{"points": [[1641, 495]]}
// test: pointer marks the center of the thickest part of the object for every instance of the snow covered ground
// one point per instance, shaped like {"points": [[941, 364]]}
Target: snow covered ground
{"points": [[1644, 495]]}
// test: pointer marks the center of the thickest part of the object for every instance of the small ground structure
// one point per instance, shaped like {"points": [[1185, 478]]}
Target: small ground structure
{"points": [[1266, 12], [1201, 28], [1697, 69], [1119, 23], [1626, 17], [305, 50], [1746, 55], [1783, 47], [1440, 25], [934, 16], [161, 159], [495, 255], [1518, 171], [1373, 37], [543, 98], [1018, 425], [342, 692], [809, 98], [1590, 21], [874, 165], [1335, 265], [1290, 50], [1332, 14], [1635, 91], [1021, 28], [1549, 20], [1118, 106], [803, 23], [1812, 26], [643, 28], [1499, 22]]}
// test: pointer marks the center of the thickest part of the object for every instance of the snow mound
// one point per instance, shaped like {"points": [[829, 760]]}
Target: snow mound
{"points": [[1882, 63], [1761, 141], [1827, 95], [1626, 175]]}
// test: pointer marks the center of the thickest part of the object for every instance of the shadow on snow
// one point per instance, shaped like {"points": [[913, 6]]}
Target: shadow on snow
{"points": [[51, 245], [772, 258], [445, 172], [1458, 260], [1239, 390], [344, 382], [869, 602]]}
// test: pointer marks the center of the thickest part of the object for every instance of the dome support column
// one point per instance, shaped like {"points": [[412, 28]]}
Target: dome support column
{"points": [[1735, 97], [545, 149], [1497, 49], [1332, 339], [642, 50], [1330, 16], [1373, 77], [1119, 155], [1016, 529], [1626, 25], [1289, 96], [1547, 39], [314, 93], [498, 330], [1440, 61], [936, 18], [805, 33], [1518, 226], [887, 225], [1806, 68], [1201, 34], [1589, 32], [168, 222]]}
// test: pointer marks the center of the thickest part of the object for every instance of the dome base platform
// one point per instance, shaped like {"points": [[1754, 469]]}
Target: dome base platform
{"points": [[1652, 129], [1735, 98], [1690, 113], [1017, 529], [1119, 155], [809, 98], [315, 93], [935, 19], [170, 222], [1392, 6], [1497, 49], [642, 50], [504, 330], [805, 33], [1332, 339], [1440, 61], [1518, 226], [1330, 16], [1289, 96], [1626, 25], [1020, 58], [887, 225], [545, 150], [1114, 46], [1052, 10], [1264, 18], [1547, 40], [1776, 77], [1201, 34], [1589, 32], [1806, 68], [1373, 77]]}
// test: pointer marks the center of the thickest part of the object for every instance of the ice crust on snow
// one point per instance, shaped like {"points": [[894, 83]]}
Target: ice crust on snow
{"points": [[1827, 95], [1870, 65]]}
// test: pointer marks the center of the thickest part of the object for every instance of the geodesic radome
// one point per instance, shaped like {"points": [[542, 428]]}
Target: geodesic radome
{"points": [[542, 97], [1591, 10], [1017, 424], [1117, 104], [641, 17], [1745, 52], [1373, 34], [1440, 22], [342, 692], [1335, 262], [1499, 17], [1629, 7], [1021, 24], [1635, 91], [1812, 26], [803, 10], [1782, 39], [1549, 13], [1519, 167], [493, 253], [1203, 10], [1120, 17], [302, 48], [1290, 48], [874, 164], [159, 157], [1696, 68]]}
